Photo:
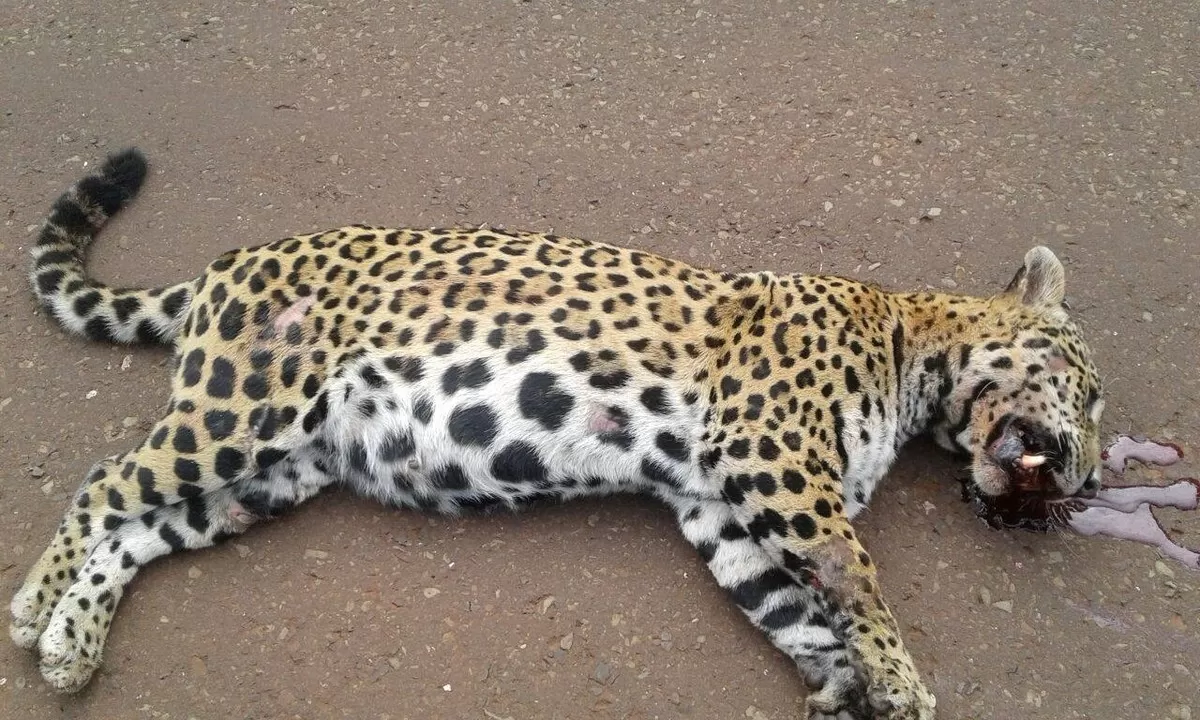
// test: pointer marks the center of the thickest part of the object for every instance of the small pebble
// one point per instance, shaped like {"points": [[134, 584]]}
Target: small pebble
{"points": [[755, 714]]}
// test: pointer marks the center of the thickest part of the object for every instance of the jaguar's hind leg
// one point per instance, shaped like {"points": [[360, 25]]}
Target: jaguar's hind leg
{"points": [[173, 465], [77, 534], [74, 637], [194, 451], [73, 640]]}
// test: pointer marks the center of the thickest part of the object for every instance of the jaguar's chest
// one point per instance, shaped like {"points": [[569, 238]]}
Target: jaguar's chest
{"points": [[869, 436]]}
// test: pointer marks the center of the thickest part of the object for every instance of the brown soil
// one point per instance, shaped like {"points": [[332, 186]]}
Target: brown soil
{"points": [[909, 143]]}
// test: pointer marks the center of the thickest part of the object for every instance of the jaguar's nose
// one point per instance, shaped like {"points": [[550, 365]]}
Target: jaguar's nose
{"points": [[1090, 487]]}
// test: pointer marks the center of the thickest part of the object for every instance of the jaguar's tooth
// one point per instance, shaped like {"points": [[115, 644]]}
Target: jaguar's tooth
{"points": [[1032, 461]]}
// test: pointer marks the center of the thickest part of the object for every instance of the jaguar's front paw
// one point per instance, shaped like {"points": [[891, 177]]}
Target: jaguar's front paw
{"points": [[842, 695], [902, 697], [822, 709], [849, 698]]}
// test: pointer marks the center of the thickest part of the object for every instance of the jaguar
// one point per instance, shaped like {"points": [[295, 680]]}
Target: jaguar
{"points": [[455, 370]]}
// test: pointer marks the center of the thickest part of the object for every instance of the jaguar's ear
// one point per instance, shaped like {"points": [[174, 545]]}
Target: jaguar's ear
{"points": [[1041, 280]]}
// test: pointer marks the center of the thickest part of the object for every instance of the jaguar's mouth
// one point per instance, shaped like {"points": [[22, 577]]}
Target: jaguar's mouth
{"points": [[1017, 457]]}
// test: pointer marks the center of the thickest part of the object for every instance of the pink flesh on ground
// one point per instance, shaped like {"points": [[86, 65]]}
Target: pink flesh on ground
{"points": [[1138, 526], [1124, 512], [1126, 448], [1182, 495]]}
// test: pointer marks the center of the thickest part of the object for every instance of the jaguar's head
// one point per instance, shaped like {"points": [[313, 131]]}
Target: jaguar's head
{"points": [[1026, 402]]}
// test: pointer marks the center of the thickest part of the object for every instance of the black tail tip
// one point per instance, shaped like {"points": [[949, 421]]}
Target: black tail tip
{"points": [[126, 169], [118, 180]]}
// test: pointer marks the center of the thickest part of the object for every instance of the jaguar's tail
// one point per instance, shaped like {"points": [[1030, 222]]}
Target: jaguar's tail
{"points": [[84, 306]]}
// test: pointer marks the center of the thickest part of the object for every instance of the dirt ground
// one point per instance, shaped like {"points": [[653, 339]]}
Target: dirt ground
{"points": [[916, 144]]}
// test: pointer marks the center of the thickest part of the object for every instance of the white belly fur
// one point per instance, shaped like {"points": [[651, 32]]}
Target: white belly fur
{"points": [[424, 447]]}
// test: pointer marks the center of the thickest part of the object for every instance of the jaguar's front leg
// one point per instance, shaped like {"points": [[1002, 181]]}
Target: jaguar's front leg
{"points": [[795, 512], [798, 617]]}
